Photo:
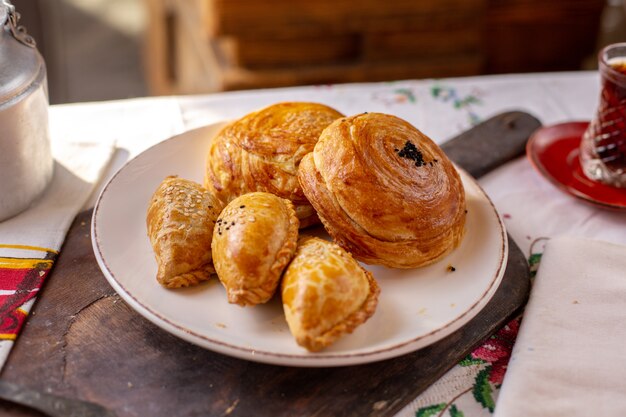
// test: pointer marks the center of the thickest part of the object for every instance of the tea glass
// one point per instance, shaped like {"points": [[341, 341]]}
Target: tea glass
{"points": [[603, 145]]}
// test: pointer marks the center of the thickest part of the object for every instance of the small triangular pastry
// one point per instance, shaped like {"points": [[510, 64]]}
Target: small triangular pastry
{"points": [[253, 241], [180, 222], [325, 293]]}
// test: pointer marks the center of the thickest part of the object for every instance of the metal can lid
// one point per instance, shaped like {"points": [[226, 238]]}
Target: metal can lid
{"points": [[20, 62]]}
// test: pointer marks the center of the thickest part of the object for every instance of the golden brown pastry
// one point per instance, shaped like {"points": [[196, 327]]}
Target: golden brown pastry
{"points": [[384, 191], [262, 151], [180, 221], [253, 241], [325, 293]]}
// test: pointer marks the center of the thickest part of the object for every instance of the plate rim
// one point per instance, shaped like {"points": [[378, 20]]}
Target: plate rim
{"points": [[306, 359]]}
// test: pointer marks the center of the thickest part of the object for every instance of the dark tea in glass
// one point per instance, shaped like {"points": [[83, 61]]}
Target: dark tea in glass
{"points": [[603, 146]]}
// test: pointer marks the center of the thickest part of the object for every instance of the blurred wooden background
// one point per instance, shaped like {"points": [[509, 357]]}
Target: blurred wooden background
{"points": [[212, 45], [106, 49]]}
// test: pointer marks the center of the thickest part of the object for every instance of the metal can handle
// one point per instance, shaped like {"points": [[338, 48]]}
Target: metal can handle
{"points": [[18, 32]]}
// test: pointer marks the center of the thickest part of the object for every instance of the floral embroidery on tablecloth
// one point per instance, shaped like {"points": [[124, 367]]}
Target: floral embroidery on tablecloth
{"points": [[465, 103], [536, 250], [489, 362], [399, 95]]}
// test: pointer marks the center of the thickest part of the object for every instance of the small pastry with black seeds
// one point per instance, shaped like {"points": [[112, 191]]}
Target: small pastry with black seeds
{"points": [[254, 239]]}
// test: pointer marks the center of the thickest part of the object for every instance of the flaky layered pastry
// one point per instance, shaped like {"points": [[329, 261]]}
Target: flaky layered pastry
{"points": [[262, 151], [180, 221], [384, 191], [326, 293], [254, 239]]}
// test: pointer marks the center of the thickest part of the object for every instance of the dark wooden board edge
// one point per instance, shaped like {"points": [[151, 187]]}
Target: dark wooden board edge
{"points": [[492, 143]]}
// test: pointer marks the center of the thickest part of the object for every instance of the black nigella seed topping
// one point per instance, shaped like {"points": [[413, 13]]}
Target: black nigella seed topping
{"points": [[411, 152], [232, 224], [242, 206]]}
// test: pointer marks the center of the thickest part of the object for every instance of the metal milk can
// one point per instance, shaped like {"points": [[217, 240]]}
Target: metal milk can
{"points": [[26, 164]]}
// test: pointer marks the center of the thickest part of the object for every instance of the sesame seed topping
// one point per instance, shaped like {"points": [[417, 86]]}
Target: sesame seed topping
{"points": [[411, 152]]}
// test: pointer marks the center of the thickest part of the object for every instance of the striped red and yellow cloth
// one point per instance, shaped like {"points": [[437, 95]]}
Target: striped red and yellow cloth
{"points": [[23, 270]]}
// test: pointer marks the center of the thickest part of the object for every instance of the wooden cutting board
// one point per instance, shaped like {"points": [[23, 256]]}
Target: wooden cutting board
{"points": [[83, 341]]}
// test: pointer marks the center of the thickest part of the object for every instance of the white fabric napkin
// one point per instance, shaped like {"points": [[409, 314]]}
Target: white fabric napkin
{"points": [[570, 355], [30, 241]]}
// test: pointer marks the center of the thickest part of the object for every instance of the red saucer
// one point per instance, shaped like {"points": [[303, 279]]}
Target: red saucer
{"points": [[553, 151]]}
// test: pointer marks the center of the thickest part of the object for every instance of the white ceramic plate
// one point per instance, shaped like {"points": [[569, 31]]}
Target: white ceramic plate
{"points": [[416, 307]]}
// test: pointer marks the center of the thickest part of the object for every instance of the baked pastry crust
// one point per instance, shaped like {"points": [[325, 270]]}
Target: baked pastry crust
{"points": [[384, 191], [326, 293], [262, 151], [180, 222], [254, 239]]}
